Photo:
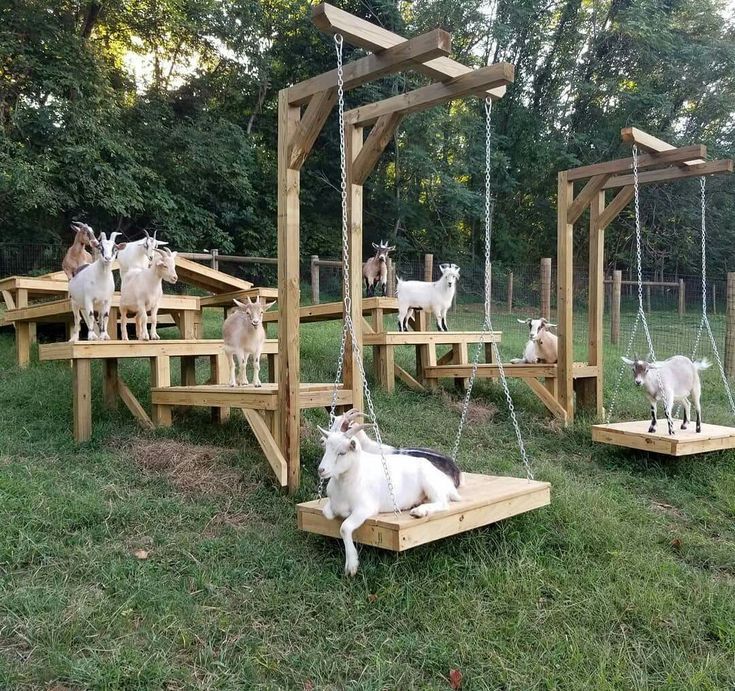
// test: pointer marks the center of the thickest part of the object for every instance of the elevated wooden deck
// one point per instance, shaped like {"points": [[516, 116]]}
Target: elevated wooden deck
{"points": [[396, 338], [486, 499]]}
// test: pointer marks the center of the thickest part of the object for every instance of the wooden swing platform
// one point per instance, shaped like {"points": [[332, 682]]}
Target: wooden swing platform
{"points": [[635, 435], [486, 499]]}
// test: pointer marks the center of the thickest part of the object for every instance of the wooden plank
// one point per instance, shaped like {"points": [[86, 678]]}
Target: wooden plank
{"points": [[650, 143], [205, 277], [635, 435], [583, 199], [434, 44], [289, 365], [379, 137], [472, 83], [8, 299], [407, 379], [329, 311], [82, 399], [395, 338], [227, 299], [110, 383], [547, 398], [488, 371], [672, 173], [596, 311], [131, 402], [565, 295], [268, 444], [366, 35], [161, 377], [22, 343], [486, 499], [308, 128], [619, 202], [625, 165]]}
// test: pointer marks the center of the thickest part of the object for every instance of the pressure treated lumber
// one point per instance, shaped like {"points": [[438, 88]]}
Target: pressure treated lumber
{"points": [[486, 499], [227, 299], [364, 34], [471, 83], [379, 137], [201, 276], [309, 126], [635, 435], [268, 444], [434, 44], [329, 311], [650, 143], [672, 173], [485, 371], [396, 338]]}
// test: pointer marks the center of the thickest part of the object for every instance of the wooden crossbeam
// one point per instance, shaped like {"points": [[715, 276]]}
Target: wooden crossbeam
{"points": [[672, 173], [615, 207], [268, 444], [308, 128], [475, 82], [582, 200], [434, 44], [650, 143], [624, 165], [374, 145], [366, 35]]}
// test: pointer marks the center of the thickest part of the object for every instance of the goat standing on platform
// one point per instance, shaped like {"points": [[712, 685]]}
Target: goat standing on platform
{"points": [[244, 335], [436, 296], [375, 269], [141, 292], [91, 289], [77, 255], [138, 254]]}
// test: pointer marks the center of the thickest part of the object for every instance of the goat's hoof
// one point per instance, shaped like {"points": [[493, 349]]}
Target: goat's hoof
{"points": [[651, 430], [699, 430], [683, 426], [92, 336], [419, 512], [257, 385], [351, 568], [155, 337]]}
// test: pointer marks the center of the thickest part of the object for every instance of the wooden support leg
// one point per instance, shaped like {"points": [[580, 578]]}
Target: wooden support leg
{"points": [[110, 383], [33, 332], [220, 375], [272, 368], [161, 376], [426, 357], [589, 394], [187, 324], [23, 343], [490, 357], [384, 361], [82, 392], [459, 357], [188, 371]]}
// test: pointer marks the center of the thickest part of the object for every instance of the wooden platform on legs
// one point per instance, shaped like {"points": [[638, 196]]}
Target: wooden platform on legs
{"points": [[486, 499], [635, 435]]}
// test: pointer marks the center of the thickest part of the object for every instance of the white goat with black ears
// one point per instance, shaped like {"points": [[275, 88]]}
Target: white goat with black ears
{"points": [[358, 487]]}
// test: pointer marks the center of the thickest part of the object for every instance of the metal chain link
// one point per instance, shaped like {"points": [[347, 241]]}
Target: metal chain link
{"points": [[349, 327], [487, 326]]}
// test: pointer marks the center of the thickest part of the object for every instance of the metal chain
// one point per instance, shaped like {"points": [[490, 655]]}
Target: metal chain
{"points": [[623, 367], [349, 327], [487, 326]]}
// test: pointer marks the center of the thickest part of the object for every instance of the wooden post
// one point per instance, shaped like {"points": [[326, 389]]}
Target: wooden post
{"points": [[730, 326], [215, 260], [82, 392], [648, 298], [428, 267], [315, 279], [565, 295], [714, 299], [615, 307], [23, 335], [161, 376], [682, 298], [546, 287], [289, 366], [110, 386], [510, 292], [391, 278]]}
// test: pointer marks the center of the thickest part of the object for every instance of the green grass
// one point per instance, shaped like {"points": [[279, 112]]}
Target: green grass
{"points": [[625, 581]]}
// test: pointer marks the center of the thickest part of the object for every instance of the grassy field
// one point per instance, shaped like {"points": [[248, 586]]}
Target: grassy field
{"points": [[170, 560]]}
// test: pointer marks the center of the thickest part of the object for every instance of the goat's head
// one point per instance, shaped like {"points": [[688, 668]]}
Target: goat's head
{"points": [[150, 244], [450, 272], [382, 250], [84, 235], [107, 248], [537, 328], [253, 310], [165, 261], [640, 367], [340, 451]]}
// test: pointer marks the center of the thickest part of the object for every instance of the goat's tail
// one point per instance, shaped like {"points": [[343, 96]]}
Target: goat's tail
{"points": [[704, 363]]}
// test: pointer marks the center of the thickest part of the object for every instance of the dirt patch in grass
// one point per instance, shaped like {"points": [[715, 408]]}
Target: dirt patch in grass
{"points": [[477, 413], [191, 468], [667, 510]]}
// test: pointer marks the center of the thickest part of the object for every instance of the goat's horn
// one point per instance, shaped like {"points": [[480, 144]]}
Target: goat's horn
{"points": [[352, 431], [325, 432], [145, 230], [114, 235]]}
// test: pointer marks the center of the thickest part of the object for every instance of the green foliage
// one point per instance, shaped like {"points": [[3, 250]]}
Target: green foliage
{"points": [[163, 114]]}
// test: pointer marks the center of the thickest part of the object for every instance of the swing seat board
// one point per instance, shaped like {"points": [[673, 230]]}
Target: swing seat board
{"points": [[635, 435], [486, 499]]}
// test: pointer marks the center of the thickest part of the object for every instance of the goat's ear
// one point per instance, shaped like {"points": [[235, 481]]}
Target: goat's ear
{"points": [[375, 247], [121, 246], [239, 304], [627, 361], [391, 248], [550, 325]]}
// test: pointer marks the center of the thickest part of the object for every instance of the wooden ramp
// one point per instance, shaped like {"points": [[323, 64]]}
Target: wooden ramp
{"points": [[486, 499], [635, 435]]}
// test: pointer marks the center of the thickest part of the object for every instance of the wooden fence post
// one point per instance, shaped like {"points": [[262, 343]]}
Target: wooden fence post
{"points": [[391, 278], [215, 260], [730, 327], [682, 298], [615, 307], [315, 279], [546, 288], [428, 267], [510, 292], [648, 299], [714, 299]]}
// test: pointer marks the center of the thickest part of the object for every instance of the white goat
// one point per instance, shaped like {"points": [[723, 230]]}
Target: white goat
{"points": [[672, 380], [542, 345], [141, 292], [358, 487], [139, 253], [436, 296], [91, 289], [244, 335], [348, 420]]}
